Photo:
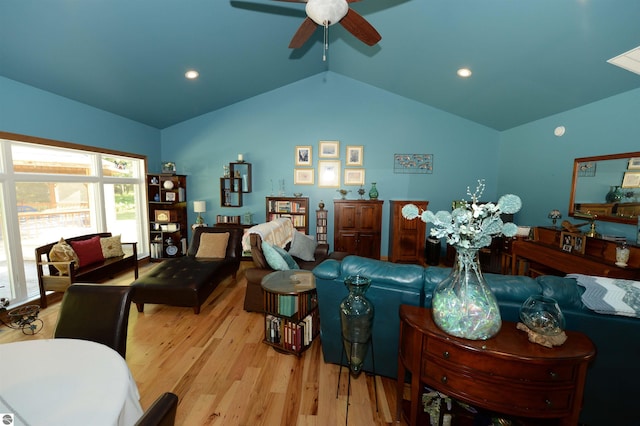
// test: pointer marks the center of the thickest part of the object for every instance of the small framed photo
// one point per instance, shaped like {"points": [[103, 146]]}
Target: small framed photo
{"points": [[634, 163], [354, 176], [329, 149], [171, 196], [303, 176], [354, 155], [304, 156], [169, 167], [573, 242], [329, 174], [631, 180]]}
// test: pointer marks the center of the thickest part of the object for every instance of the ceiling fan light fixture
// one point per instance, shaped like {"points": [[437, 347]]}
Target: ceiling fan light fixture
{"points": [[327, 12]]}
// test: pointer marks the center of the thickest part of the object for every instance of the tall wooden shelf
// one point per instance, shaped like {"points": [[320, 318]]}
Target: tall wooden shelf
{"points": [[295, 208], [321, 226], [167, 208]]}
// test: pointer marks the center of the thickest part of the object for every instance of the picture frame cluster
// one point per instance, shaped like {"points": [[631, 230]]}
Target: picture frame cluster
{"points": [[329, 165]]}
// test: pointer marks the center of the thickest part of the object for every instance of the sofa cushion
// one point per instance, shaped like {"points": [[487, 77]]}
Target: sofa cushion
{"points": [[287, 257], [89, 251], [213, 245], [111, 246], [303, 247], [63, 252], [274, 259]]}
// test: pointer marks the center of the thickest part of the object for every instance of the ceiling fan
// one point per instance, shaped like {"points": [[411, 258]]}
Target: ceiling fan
{"points": [[325, 13]]}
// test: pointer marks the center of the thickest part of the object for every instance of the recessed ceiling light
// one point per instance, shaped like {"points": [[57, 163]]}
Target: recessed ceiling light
{"points": [[464, 72], [192, 74]]}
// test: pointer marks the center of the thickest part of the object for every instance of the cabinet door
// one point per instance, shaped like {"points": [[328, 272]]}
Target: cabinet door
{"points": [[346, 217], [368, 245], [346, 241], [369, 218]]}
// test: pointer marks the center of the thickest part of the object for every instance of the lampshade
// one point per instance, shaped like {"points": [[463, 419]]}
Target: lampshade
{"points": [[199, 206], [326, 12]]}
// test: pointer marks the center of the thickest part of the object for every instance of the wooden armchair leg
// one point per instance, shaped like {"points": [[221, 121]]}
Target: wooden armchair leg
{"points": [[140, 307]]}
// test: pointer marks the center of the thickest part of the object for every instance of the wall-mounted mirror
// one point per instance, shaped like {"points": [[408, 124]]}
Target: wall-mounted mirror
{"points": [[607, 186]]}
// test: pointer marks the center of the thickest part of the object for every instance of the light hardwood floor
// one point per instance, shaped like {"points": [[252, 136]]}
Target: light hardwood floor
{"points": [[224, 375]]}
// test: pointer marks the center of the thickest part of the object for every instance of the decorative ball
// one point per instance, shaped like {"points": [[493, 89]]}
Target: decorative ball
{"points": [[168, 184], [542, 315]]}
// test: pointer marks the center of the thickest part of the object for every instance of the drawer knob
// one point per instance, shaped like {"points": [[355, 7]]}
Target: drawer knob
{"points": [[548, 402], [444, 380], [445, 354], [553, 374]]}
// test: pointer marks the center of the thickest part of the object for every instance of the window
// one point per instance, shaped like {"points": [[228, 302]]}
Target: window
{"points": [[50, 191]]}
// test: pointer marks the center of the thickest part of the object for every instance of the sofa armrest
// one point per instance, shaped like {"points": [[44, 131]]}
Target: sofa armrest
{"points": [[327, 270], [322, 251]]}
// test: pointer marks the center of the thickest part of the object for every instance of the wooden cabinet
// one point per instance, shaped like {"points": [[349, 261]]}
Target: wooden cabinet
{"points": [[295, 208], [358, 227], [406, 237], [167, 205], [291, 314], [506, 374]]}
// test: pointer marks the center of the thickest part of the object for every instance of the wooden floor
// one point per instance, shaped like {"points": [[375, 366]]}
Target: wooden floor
{"points": [[224, 375]]}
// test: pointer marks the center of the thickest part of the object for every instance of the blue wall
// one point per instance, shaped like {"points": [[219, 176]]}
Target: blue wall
{"points": [[538, 166], [328, 106], [33, 112]]}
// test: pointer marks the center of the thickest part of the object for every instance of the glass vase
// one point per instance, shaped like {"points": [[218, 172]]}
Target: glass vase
{"points": [[463, 304], [542, 315], [356, 320]]}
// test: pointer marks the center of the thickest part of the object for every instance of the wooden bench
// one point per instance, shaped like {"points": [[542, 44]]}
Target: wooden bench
{"points": [[93, 273]]}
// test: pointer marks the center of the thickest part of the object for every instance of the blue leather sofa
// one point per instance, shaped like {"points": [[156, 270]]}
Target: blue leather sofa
{"points": [[612, 379]]}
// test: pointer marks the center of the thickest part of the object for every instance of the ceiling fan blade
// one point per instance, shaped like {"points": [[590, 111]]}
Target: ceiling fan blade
{"points": [[296, 1], [360, 28], [304, 32]]}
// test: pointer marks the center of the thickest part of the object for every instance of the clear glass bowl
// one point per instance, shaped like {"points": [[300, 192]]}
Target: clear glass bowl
{"points": [[542, 315]]}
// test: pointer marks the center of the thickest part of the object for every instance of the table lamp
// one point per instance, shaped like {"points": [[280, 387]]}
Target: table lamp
{"points": [[554, 215], [199, 207]]}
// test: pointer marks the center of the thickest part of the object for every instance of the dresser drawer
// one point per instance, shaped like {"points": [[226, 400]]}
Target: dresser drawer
{"points": [[521, 370], [499, 394]]}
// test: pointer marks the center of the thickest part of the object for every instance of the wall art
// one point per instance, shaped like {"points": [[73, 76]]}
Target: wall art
{"points": [[329, 174], [303, 176], [413, 163], [354, 176], [354, 155], [304, 155], [329, 149]]}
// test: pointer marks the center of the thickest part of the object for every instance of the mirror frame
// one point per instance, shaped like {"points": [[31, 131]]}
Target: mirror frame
{"points": [[630, 221]]}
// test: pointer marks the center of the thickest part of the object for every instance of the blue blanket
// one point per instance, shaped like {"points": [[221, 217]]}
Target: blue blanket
{"points": [[610, 295]]}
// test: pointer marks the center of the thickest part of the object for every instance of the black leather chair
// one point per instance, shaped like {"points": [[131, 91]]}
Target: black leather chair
{"points": [[162, 412], [96, 312]]}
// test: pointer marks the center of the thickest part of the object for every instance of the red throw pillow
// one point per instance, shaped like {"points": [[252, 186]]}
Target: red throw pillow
{"points": [[88, 251]]}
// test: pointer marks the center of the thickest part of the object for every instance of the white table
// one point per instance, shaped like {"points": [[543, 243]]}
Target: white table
{"points": [[66, 382]]}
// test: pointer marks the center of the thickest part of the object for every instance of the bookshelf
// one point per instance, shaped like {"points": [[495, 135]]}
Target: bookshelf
{"points": [[321, 226], [291, 315], [295, 208], [167, 207]]}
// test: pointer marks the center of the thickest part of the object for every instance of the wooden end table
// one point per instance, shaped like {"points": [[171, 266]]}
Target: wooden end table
{"points": [[506, 374], [292, 319]]}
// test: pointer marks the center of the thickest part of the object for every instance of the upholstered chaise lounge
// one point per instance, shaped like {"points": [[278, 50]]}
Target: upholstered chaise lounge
{"points": [[189, 280]]}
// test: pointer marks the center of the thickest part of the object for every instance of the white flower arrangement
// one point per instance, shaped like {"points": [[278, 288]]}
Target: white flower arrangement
{"points": [[472, 225]]}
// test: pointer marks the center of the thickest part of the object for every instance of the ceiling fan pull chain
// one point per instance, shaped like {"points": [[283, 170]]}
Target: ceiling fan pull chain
{"points": [[326, 41]]}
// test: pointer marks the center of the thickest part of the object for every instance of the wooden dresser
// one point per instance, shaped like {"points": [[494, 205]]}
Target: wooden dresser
{"points": [[506, 374], [544, 251], [406, 237], [358, 227]]}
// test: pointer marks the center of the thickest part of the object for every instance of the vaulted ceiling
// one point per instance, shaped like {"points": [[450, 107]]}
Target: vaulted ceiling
{"points": [[529, 58]]}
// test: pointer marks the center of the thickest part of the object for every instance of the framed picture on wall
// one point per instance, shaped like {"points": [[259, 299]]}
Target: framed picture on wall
{"points": [[354, 176], [304, 155], [329, 149], [303, 176], [354, 155], [634, 163], [329, 174], [631, 180]]}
